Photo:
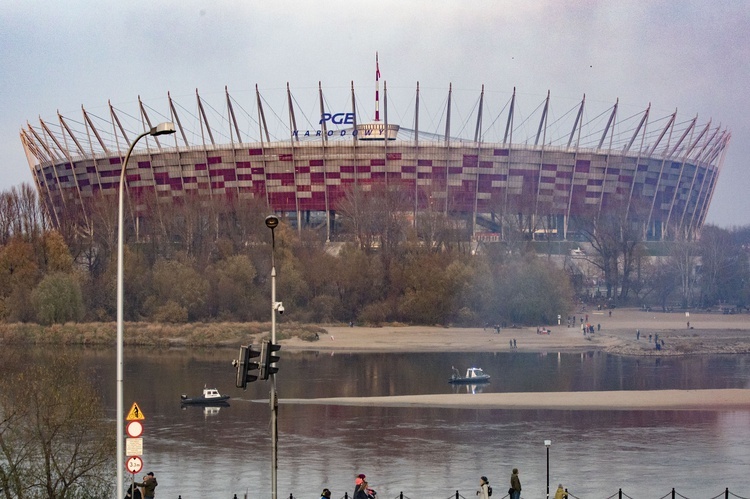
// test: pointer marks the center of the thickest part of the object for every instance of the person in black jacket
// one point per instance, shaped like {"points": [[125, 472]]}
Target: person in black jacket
{"points": [[133, 493], [360, 487], [515, 485]]}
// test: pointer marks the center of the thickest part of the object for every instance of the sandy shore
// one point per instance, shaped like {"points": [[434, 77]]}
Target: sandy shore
{"points": [[706, 334], [714, 400]]}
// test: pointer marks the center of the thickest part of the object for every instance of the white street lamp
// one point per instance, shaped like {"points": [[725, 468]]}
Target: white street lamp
{"points": [[547, 443], [160, 129]]}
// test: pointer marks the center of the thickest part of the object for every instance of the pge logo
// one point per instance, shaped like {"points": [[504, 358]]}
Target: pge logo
{"points": [[337, 118]]}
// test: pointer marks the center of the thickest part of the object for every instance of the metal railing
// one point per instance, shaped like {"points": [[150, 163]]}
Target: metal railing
{"points": [[672, 494]]}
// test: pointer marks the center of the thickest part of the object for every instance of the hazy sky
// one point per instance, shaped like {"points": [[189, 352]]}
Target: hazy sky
{"points": [[692, 55]]}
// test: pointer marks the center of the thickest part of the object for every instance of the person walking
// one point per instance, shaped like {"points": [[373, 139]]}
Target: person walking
{"points": [[515, 485], [149, 485], [484, 488]]}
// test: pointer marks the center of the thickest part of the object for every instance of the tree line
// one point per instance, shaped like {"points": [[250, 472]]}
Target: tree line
{"points": [[210, 260]]}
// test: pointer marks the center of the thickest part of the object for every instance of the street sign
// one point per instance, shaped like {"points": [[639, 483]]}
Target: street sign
{"points": [[134, 429], [135, 414], [134, 464], [133, 446]]}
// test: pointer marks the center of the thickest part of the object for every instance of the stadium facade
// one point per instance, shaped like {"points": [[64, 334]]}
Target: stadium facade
{"points": [[547, 174]]}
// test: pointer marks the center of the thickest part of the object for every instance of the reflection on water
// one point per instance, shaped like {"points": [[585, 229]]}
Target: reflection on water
{"points": [[430, 452]]}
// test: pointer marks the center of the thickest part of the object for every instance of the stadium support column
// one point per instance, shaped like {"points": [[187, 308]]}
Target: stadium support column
{"points": [[702, 157], [34, 146], [416, 157], [477, 141], [294, 139], [355, 143], [542, 131], [670, 127], [612, 118], [64, 125], [726, 137], [681, 227], [690, 130], [447, 143], [324, 139], [508, 140], [644, 125], [577, 124]]}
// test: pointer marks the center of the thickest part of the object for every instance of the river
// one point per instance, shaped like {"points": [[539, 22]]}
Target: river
{"points": [[430, 452]]}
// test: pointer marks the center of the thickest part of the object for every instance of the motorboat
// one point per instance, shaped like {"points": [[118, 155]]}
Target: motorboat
{"points": [[474, 375], [210, 397]]}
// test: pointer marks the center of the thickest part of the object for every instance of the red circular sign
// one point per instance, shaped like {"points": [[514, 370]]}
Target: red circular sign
{"points": [[134, 429], [134, 464]]}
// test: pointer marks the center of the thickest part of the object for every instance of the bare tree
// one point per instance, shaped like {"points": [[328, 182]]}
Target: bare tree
{"points": [[54, 439]]}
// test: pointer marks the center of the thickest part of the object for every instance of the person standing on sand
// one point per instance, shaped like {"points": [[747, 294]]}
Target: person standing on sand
{"points": [[515, 485]]}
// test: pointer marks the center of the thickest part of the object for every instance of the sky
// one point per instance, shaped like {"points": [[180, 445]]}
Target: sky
{"points": [[689, 55]]}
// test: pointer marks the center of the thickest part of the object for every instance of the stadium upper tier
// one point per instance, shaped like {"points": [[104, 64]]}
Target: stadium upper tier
{"points": [[485, 166]]}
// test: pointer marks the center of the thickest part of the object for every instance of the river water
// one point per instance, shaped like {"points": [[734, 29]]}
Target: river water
{"points": [[430, 452]]}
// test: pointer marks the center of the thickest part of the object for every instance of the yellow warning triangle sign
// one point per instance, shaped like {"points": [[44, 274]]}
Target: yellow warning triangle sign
{"points": [[135, 414]]}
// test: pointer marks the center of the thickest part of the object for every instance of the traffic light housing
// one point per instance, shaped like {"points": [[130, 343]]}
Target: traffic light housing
{"points": [[267, 359], [245, 366]]}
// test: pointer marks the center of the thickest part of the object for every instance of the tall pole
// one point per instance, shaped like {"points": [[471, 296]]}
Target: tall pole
{"points": [[161, 129], [547, 443], [272, 222]]}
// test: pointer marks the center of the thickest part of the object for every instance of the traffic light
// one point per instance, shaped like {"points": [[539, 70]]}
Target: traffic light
{"points": [[267, 359], [245, 366]]}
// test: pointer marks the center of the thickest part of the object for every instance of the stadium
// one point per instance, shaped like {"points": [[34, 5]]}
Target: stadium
{"points": [[473, 156]]}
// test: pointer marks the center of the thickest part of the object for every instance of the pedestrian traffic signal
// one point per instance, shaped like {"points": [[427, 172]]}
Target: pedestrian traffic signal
{"points": [[245, 366], [267, 359]]}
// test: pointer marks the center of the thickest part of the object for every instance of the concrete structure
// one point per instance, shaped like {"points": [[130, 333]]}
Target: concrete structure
{"points": [[659, 173]]}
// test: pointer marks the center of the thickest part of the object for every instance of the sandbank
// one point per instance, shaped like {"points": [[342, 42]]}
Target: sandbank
{"points": [[706, 400]]}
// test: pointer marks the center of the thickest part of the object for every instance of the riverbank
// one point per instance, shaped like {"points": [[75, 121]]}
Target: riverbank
{"points": [[701, 333], [616, 333]]}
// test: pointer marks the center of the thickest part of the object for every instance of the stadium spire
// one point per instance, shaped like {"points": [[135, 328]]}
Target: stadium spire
{"points": [[377, 88]]}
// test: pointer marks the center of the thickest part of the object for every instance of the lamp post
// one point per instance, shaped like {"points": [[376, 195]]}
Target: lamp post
{"points": [[547, 443], [160, 129], [272, 222]]}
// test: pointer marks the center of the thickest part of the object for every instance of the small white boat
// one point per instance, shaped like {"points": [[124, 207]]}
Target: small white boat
{"points": [[211, 396], [474, 375]]}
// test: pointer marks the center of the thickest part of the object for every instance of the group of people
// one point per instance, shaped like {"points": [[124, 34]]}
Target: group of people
{"points": [[362, 489], [148, 484], [485, 491]]}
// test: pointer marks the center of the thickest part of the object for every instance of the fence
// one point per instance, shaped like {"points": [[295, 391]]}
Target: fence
{"points": [[673, 494]]}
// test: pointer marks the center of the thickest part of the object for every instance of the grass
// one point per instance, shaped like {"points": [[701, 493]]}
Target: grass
{"points": [[196, 334]]}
